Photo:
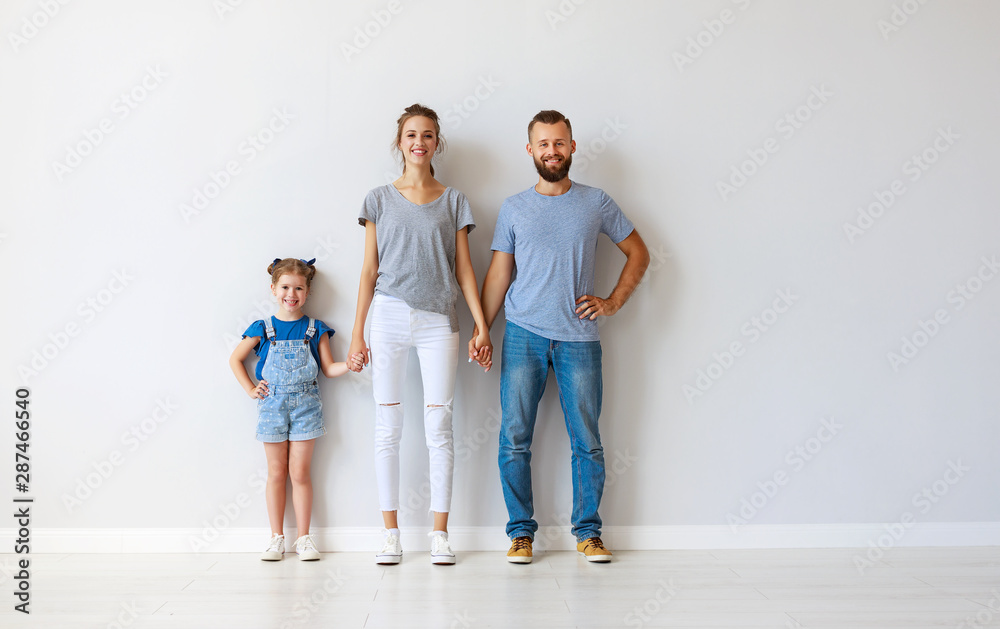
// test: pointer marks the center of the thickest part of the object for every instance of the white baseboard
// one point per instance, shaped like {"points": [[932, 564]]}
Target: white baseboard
{"points": [[485, 538]]}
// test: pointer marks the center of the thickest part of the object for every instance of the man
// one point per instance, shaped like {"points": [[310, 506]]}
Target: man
{"points": [[549, 234]]}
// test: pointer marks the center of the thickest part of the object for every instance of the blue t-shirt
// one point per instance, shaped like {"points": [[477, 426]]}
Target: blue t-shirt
{"points": [[554, 244], [286, 331]]}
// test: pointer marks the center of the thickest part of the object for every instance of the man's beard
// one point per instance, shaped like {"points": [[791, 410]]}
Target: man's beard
{"points": [[552, 176]]}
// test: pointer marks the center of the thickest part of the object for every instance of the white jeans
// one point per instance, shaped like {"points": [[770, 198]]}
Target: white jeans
{"points": [[395, 328]]}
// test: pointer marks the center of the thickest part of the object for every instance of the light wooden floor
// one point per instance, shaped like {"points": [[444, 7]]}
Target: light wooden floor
{"points": [[912, 588]]}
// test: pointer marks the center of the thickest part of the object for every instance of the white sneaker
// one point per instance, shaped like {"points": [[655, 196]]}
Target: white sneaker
{"points": [[275, 548], [391, 551], [306, 549], [440, 548]]}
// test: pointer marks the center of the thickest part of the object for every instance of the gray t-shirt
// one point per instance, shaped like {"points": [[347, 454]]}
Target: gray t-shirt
{"points": [[554, 243], [416, 247]]}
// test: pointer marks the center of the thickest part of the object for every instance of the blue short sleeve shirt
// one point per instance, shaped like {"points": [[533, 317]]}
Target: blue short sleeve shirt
{"points": [[554, 244], [286, 331]]}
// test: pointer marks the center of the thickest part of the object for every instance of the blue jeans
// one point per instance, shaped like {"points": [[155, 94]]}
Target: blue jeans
{"points": [[526, 358]]}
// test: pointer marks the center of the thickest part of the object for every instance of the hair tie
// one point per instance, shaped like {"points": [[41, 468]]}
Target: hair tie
{"points": [[309, 262], [276, 260]]}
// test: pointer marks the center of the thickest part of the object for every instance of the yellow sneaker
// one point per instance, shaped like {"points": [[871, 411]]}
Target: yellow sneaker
{"points": [[593, 549], [520, 550]]}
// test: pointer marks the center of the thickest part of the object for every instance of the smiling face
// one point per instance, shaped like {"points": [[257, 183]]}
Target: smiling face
{"points": [[552, 148], [418, 141], [291, 291]]}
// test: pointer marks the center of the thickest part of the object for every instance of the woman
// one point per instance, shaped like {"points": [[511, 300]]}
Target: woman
{"points": [[416, 260]]}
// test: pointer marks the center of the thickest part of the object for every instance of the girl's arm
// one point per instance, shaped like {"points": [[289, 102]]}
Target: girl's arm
{"points": [[480, 347], [330, 369], [240, 354], [366, 291]]}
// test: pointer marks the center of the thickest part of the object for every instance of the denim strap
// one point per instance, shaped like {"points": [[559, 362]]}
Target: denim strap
{"points": [[311, 332], [268, 330]]}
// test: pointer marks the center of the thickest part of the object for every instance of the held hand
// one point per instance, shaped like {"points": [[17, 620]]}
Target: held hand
{"points": [[358, 353], [481, 348], [356, 362], [592, 306], [259, 392]]}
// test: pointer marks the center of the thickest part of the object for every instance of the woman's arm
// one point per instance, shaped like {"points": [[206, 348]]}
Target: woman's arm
{"points": [[240, 354], [480, 347], [366, 291]]}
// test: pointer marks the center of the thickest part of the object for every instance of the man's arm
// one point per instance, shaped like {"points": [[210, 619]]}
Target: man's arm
{"points": [[496, 284], [636, 261]]}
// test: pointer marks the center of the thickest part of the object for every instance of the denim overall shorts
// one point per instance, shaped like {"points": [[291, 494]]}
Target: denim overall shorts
{"points": [[292, 410]]}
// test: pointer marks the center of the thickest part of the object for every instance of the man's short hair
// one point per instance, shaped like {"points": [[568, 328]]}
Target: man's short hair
{"points": [[549, 116]]}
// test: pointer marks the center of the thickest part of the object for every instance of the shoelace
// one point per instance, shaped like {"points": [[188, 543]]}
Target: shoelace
{"points": [[306, 543], [522, 543], [439, 544], [595, 542], [276, 541], [391, 544]]}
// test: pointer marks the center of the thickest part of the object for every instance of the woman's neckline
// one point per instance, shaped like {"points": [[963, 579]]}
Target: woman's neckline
{"points": [[434, 200]]}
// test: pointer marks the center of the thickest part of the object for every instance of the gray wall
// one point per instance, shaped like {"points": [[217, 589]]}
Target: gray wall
{"points": [[834, 105]]}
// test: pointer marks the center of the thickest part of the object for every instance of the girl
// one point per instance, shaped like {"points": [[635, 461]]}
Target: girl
{"points": [[416, 245], [290, 414]]}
